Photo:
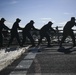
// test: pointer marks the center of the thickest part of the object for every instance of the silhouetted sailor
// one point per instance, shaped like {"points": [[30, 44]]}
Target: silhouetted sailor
{"points": [[26, 32], [14, 32], [67, 31], [2, 26], [44, 32]]}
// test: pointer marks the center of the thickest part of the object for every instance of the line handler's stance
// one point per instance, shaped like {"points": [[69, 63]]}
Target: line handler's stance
{"points": [[44, 32], [67, 31]]}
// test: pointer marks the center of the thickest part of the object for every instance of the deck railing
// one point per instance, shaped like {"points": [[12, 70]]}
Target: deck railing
{"points": [[54, 36]]}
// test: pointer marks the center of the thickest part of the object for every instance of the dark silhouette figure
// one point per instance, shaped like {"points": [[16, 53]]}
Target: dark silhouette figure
{"points": [[67, 31], [26, 33], [44, 32], [14, 32], [2, 26]]}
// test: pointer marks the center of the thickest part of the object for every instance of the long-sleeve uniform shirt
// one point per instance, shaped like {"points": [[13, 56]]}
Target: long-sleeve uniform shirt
{"points": [[15, 28], [46, 28], [69, 26], [2, 25], [28, 28]]}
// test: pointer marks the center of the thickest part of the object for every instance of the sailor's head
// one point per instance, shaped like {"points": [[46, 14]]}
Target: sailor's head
{"points": [[31, 21], [2, 19], [18, 20], [50, 23], [73, 19]]}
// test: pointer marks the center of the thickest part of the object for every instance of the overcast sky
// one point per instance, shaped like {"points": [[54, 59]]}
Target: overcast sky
{"points": [[41, 11]]}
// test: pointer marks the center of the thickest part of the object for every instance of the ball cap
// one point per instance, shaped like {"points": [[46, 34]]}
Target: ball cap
{"points": [[31, 21], [2, 19], [50, 22], [18, 19], [73, 18]]}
